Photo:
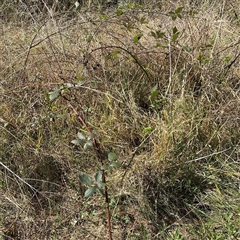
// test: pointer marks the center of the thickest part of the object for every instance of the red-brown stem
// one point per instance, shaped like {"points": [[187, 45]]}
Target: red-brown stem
{"points": [[99, 155]]}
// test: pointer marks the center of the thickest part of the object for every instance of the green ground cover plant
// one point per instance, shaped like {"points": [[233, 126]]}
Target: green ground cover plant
{"points": [[120, 121]]}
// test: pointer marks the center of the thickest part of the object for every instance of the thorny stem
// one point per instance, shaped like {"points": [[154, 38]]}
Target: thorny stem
{"points": [[99, 155]]}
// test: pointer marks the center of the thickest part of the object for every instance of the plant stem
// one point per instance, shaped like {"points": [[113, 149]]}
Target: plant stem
{"points": [[100, 160], [98, 151]]}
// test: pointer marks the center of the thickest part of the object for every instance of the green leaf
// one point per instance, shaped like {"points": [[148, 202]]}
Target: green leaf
{"points": [[129, 26], [91, 136], [108, 57], [158, 45], [63, 116], [147, 68], [208, 45], [136, 18], [160, 34], [90, 191], [179, 10], [105, 167], [104, 17], [101, 185], [112, 55], [112, 156], [129, 6], [175, 30], [87, 145], [88, 38], [119, 11], [53, 95], [186, 48], [175, 36], [98, 176], [81, 136], [54, 107], [76, 141], [148, 129], [142, 20], [137, 38], [200, 57], [154, 93], [85, 179], [100, 190], [154, 34], [47, 97], [132, 59], [154, 88], [68, 85], [65, 87], [77, 4], [116, 164], [115, 53], [136, 236], [179, 16], [227, 59], [80, 83]]}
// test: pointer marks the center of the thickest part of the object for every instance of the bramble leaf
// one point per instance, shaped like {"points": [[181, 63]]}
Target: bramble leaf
{"points": [[100, 190], [101, 185], [85, 179], [112, 156], [105, 167], [81, 136], [116, 164], [98, 177], [80, 83], [87, 145], [90, 191], [53, 95], [91, 136], [76, 141]]}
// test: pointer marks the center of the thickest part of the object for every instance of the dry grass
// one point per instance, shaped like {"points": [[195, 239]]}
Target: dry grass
{"points": [[179, 149]]}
